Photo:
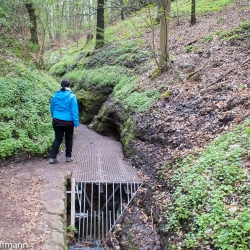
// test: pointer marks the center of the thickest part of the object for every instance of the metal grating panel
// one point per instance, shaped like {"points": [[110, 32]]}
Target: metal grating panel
{"points": [[99, 206], [98, 159]]}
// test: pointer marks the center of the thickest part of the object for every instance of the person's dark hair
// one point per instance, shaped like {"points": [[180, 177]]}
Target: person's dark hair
{"points": [[65, 84]]}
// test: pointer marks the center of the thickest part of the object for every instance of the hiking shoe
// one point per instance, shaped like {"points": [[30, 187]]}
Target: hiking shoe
{"points": [[68, 159], [53, 160]]}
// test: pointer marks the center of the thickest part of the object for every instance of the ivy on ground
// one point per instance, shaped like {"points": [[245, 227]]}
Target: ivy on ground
{"points": [[210, 206], [25, 121]]}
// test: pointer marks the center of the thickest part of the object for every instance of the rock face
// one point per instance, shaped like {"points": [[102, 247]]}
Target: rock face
{"points": [[90, 101]]}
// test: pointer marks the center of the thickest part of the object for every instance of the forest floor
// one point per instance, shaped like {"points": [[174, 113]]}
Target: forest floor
{"points": [[203, 105]]}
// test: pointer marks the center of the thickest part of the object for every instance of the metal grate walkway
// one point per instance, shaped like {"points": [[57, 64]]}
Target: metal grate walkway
{"points": [[102, 185], [98, 159]]}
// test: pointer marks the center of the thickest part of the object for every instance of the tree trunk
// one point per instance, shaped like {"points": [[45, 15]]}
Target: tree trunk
{"points": [[158, 18], [122, 11], [164, 33], [100, 24], [193, 17], [33, 29]]}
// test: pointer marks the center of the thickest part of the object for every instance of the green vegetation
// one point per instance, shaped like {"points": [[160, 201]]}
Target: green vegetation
{"points": [[112, 66], [167, 94], [208, 38], [104, 76], [239, 33], [71, 231], [132, 98], [65, 63], [25, 121], [127, 135], [202, 6], [210, 204]]}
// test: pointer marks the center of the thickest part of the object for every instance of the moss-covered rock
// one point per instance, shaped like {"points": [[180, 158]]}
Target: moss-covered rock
{"points": [[155, 74], [108, 120], [127, 135], [90, 102], [167, 94], [113, 119]]}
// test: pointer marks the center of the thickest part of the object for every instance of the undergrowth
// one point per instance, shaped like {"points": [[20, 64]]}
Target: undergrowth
{"points": [[241, 32], [132, 98], [104, 76], [183, 7], [25, 121], [65, 63], [113, 66], [238, 33], [210, 206]]}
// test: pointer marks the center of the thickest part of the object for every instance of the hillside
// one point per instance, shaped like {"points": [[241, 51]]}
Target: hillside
{"points": [[185, 130], [25, 123]]}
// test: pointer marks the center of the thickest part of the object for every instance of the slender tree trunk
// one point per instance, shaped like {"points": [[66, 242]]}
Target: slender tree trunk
{"points": [[164, 33], [122, 11], [100, 24], [193, 17], [159, 9], [33, 20]]}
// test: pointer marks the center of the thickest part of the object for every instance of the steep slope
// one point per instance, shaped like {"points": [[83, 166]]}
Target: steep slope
{"points": [[25, 121]]}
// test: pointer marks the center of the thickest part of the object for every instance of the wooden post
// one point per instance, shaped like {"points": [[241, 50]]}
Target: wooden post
{"points": [[72, 217]]}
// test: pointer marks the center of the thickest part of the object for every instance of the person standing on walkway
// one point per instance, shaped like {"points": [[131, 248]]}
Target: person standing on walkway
{"points": [[65, 115]]}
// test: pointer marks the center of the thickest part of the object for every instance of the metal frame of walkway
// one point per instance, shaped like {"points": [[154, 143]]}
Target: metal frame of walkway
{"points": [[103, 182]]}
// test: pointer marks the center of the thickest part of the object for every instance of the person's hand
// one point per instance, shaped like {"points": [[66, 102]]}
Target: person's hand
{"points": [[75, 128]]}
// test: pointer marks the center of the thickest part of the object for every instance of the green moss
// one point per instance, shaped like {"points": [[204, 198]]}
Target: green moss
{"points": [[99, 121], [99, 77], [127, 135], [69, 60], [167, 94], [155, 74], [90, 102]]}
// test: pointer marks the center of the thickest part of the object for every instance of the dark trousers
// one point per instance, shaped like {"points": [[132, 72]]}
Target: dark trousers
{"points": [[60, 131]]}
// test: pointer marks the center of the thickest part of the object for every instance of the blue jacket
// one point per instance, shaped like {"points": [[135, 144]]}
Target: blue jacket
{"points": [[63, 106]]}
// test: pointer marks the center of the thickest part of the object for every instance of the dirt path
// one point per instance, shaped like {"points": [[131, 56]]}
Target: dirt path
{"points": [[32, 207]]}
